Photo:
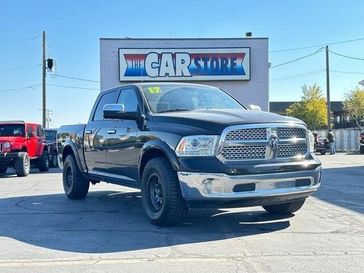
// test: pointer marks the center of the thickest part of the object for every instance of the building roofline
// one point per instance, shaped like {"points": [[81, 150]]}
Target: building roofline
{"points": [[172, 39]]}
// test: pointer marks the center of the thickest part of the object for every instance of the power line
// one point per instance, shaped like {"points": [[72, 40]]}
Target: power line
{"points": [[346, 72], [19, 67], [73, 87], [298, 59], [298, 75], [20, 88], [75, 78], [20, 41], [318, 45], [346, 56]]}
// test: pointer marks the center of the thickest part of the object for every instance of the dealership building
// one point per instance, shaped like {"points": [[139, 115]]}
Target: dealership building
{"points": [[237, 65]]}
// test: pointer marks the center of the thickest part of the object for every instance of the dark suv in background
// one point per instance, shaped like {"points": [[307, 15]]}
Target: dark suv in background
{"points": [[51, 137]]}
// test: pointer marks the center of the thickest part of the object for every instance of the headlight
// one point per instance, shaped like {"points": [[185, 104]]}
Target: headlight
{"points": [[202, 145], [311, 142], [7, 145]]}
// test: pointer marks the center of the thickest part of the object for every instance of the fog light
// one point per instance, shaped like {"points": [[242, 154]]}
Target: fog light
{"points": [[207, 184]]}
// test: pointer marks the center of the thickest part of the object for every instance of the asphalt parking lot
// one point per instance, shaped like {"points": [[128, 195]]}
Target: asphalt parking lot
{"points": [[42, 231]]}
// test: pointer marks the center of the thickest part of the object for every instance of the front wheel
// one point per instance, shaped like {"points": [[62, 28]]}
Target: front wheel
{"points": [[285, 208], [22, 164], [161, 194], [75, 185]]}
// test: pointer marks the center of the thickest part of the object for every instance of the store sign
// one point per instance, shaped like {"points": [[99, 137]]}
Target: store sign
{"points": [[184, 64]]}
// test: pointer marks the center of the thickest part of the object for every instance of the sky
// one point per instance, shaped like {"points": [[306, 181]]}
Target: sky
{"points": [[74, 27]]}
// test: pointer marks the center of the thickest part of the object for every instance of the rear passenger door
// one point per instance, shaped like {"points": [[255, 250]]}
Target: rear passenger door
{"points": [[122, 156], [95, 136]]}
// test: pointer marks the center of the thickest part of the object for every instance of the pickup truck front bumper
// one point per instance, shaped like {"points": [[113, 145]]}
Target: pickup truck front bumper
{"points": [[205, 189]]}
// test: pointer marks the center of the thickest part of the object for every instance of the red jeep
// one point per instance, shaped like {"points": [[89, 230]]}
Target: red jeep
{"points": [[21, 143]]}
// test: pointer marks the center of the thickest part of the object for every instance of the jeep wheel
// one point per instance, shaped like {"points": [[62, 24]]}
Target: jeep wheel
{"points": [[75, 185], [3, 168], [22, 164], [286, 208], [361, 149], [43, 162], [161, 194]]}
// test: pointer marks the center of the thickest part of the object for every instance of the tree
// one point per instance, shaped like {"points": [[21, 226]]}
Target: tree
{"points": [[311, 109], [354, 105]]}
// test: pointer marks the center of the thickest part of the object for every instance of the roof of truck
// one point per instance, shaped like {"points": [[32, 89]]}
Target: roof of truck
{"points": [[17, 122]]}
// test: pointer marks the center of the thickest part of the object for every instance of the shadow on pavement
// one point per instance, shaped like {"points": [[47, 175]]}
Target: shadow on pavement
{"points": [[114, 221], [343, 187], [11, 173]]}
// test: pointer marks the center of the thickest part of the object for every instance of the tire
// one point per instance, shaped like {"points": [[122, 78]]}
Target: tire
{"points": [[323, 152], [22, 164], [43, 162], [285, 208], [3, 168], [161, 193], [53, 162], [75, 185], [361, 149]]}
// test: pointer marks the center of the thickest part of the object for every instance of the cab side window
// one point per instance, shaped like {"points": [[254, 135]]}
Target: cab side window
{"points": [[30, 131], [129, 98], [107, 98]]}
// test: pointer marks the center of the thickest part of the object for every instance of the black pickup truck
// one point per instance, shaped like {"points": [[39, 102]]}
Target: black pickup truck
{"points": [[188, 145]]}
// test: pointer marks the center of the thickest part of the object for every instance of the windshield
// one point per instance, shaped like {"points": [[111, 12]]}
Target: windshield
{"points": [[12, 130], [169, 98], [50, 135]]}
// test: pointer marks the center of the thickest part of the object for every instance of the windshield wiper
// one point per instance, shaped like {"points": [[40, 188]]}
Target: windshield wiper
{"points": [[175, 110]]}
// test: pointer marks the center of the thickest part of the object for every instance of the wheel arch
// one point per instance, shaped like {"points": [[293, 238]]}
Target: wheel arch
{"points": [[70, 149], [153, 149]]}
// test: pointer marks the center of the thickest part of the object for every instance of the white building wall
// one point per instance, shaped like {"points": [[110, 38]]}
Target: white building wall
{"points": [[253, 91]]}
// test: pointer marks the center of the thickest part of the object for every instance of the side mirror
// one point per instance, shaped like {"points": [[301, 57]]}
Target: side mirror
{"points": [[117, 111], [254, 107]]}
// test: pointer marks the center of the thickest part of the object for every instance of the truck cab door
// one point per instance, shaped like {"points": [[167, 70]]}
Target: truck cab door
{"points": [[95, 135], [122, 155]]}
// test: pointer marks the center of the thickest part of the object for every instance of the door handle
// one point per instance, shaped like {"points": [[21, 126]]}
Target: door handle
{"points": [[87, 132], [111, 131]]}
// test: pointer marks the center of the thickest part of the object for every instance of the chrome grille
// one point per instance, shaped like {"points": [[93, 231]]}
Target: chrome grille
{"points": [[287, 133], [254, 142], [291, 150], [247, 134], [244, 152]]}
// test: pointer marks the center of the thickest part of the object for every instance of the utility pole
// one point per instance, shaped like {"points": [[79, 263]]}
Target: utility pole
{"points": [[328, 89], [44, 103]]}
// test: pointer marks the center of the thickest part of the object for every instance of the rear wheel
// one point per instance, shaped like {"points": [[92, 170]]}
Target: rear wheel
{"points": [[75, 185], [161, 194], [3, 168], [285, 208], [43, 162], [22, 164]]}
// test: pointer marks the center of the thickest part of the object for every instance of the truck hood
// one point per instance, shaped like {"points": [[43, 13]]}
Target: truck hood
{"points": [[215, 121]]}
